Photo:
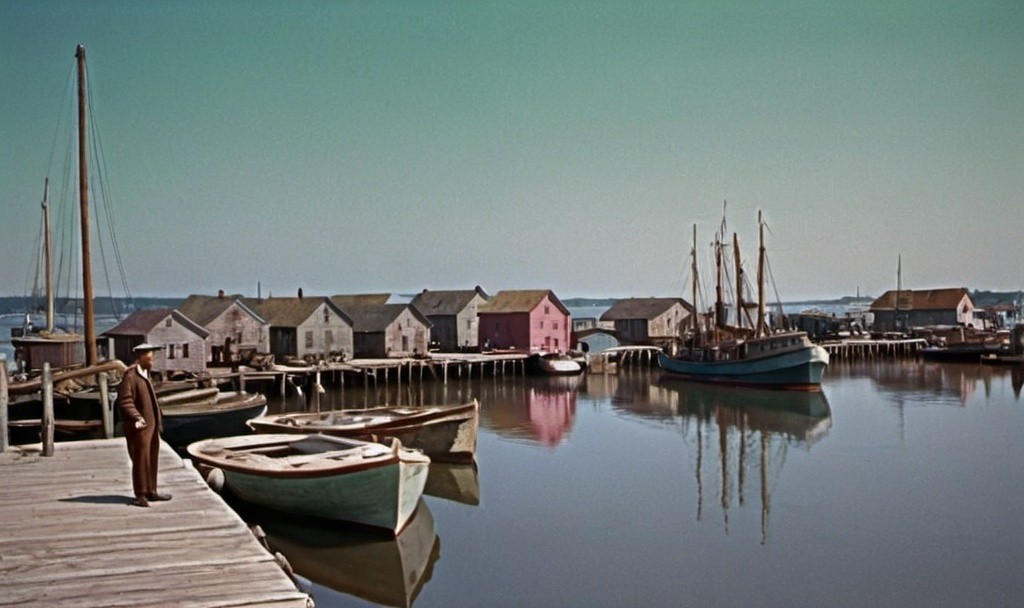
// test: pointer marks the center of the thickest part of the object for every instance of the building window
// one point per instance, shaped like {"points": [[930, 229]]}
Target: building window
{"points": [[309, 339], [328, 339], [554, 325], [547, 309], [184, 351], [542, 324], [327, 315], [167, 323], [170, 351]]}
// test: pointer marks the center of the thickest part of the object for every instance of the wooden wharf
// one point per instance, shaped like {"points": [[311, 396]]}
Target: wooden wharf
{"points": [[874, 349], [68, 536]]}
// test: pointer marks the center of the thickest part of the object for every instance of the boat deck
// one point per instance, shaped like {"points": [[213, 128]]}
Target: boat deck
{"points": [[69, 537]]}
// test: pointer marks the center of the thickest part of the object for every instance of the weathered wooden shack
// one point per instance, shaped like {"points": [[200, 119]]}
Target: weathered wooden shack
{"points": [[383, 330], [526, 320], [183, 340], [453, 314], [903, 309], [301, 327], [649, 321], [235, 329]]}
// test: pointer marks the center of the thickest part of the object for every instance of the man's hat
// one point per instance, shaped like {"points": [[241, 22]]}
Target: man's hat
{"points": [[145, 347]]}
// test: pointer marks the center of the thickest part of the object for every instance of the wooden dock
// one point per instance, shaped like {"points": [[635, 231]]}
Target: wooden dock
{"points": [[68, 536]]}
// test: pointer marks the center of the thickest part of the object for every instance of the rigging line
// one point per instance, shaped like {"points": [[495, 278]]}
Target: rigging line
{"points": [[775, 290], [64, 104], [108, 210]]}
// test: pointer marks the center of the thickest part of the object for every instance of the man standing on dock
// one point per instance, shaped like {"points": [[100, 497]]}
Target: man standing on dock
{"points": [[136, 401]]}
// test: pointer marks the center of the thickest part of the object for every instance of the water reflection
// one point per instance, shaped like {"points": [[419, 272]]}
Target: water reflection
{"points": [[740, 438], [536, 409], [375, 567], [456, 482], [913, 382]]}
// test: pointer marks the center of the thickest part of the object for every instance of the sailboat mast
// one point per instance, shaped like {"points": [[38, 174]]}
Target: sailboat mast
{"points": [[762, 326], [740, 304], [83, 198], [693, 272], [48, 257]]}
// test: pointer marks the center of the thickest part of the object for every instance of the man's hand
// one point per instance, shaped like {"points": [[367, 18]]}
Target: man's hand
{"points": [[140, 424]]}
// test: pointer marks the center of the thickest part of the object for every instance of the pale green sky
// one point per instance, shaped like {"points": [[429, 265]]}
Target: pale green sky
{"points": [[348, 147]]}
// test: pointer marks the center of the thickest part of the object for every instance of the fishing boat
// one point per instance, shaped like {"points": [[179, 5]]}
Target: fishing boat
{"points": [[746, 355], [445, 433], [372, 484], [553, 364], [222, 414]]}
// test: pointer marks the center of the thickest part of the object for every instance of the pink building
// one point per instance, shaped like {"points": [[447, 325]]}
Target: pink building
{"points": [[526, 320]]}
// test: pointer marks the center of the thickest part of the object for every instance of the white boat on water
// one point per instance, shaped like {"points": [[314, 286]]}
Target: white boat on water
{"points": [[373, 484]]}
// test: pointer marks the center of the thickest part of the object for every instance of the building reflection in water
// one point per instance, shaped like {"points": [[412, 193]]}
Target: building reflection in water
{"points": [[917, 382], [535, 409], [739, 438], [376, 567]]}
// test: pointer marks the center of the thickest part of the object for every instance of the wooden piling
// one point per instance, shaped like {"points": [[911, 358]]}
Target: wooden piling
{"points": [[5, 399], [48, 423]]}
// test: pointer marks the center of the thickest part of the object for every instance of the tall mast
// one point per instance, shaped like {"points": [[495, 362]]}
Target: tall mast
{"points": [[719, 299], [693, 272], [899, 288], [740, 306], [83, 198], [47, 256], [762, 326]]}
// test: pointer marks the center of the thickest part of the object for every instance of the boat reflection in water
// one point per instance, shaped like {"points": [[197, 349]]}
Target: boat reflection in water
{"points": [[389, 571], [538, 409], [457, 482], [744, 434]]}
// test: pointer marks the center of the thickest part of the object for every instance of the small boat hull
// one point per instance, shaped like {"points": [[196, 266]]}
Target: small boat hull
{"points": [[379, 487], [227, 415], [444, 433], [799, 369], [542, 364]]}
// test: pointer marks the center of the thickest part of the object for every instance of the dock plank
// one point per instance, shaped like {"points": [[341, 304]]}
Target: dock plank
{"points": [[68, 537]]}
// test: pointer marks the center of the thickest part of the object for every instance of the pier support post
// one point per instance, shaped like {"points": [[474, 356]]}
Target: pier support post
{"points": [[106, 407], [48, 422], [5, 432]]}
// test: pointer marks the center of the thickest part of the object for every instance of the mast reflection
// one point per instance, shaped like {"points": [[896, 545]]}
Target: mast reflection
{"points": [[744, 433]]}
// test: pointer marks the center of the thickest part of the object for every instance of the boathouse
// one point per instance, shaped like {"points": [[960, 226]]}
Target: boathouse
{"points": [[453, 315], [526, 320], [236, 331], [310, 328], [900, 310], [649, 321], [382, 330], [183, 340]]}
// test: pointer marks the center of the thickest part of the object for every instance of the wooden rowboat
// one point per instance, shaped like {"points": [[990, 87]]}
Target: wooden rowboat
{"points": [[223, 414], [445, 433], [373, 484]]}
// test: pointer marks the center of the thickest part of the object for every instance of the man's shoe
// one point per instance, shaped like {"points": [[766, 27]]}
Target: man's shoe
{"points": [[159, 496], [140, 501]]}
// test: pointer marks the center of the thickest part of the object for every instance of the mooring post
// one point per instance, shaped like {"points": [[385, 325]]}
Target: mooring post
{"points": [[5, 434], [106, 406], [47, 410]]}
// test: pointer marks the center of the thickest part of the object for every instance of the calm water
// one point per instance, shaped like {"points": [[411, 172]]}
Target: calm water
{"points": [[900, 484]]}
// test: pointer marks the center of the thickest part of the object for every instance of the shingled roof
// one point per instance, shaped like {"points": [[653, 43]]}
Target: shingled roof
{"points": [[523, 300], [291, 312], [142, 322], [925, 299], [204, 309], [373, 319], [642, 308], [431, 302], [362, 299]]}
